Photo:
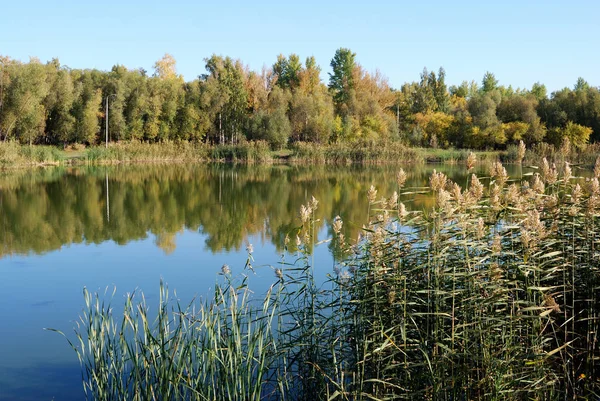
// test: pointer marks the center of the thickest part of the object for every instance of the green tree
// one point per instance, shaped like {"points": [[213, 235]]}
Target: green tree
{"points": [[88, 125], [225, 97], [341, 81], [489, 82], [23, 111], [60, 122]]}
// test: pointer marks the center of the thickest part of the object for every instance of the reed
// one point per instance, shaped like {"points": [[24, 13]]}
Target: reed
{"points": [[13, 154], [491, 294], [136, 151], [360, 152]]}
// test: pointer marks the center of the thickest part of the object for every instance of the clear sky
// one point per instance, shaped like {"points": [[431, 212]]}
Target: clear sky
{"points": [[521, 42]]}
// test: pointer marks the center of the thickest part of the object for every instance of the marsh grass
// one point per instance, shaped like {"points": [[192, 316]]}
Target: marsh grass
{"points": [[344, 153], [178, 151], [136, 151], [13, 154], [493, 294]]}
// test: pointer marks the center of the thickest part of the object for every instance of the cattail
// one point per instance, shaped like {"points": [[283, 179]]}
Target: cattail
{"points": [[471, 160], [250, 248], [521, 152], [597, 168], [313, 203], [401, 178], [279, 273], [286, 240], [372, 194], [298, 240]]}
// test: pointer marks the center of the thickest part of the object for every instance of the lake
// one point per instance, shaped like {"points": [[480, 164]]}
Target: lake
{"points": [[63, 229]]}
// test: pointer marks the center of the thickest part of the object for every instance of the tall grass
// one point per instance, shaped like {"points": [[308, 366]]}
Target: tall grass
{"points": [[13, 154], [492, 294], [178, 151], [135, 151], [344, 153]]}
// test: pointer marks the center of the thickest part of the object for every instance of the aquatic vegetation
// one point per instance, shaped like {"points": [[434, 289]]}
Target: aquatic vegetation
{"points": [[492, 293]]}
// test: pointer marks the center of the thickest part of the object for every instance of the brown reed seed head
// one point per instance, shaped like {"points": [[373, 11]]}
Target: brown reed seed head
{"points": [[305, 212], [402, 212], [471, 160], [394, 200], [372, 194], [537, 184], [337, 225], [401, 178], [499, 172], [437, 181], [476, 188]]}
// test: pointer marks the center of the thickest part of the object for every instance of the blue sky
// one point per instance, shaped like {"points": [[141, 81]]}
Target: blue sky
{"points": [[521, 42]]}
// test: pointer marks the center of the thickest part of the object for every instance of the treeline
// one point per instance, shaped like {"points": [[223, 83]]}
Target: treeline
{"points": [[53, 104]]}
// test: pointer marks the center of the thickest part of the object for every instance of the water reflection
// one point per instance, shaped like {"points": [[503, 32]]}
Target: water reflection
{"points": [[130, 226], [43, 210]]}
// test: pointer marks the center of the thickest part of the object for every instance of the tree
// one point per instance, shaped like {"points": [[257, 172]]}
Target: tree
{"points": [[539, 91], [273, 124], [286, 72], [23, 112], [225, 97], [165, 68], [341, 81], [88, 125], [489, 82], [60, 123]]}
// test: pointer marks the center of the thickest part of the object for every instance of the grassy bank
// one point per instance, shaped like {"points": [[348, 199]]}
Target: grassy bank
{"points": [[491, 294], [13, 155]]}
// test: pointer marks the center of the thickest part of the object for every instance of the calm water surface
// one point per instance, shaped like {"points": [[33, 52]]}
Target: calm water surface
{"points": [[65, 229]]}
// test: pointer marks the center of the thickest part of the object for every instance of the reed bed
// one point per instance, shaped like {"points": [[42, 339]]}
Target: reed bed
{"points": [[493, 294], [361, 152], [136, 151], [13, 154]]}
